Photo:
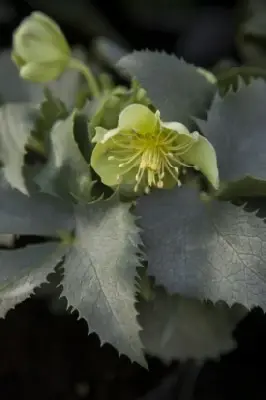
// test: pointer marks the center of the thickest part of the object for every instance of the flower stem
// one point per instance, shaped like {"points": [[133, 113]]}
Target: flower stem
{"points": [[85, 70]]}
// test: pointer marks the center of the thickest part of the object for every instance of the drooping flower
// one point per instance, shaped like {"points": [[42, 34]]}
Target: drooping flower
{"points": [[143, 152], [40, 49]]}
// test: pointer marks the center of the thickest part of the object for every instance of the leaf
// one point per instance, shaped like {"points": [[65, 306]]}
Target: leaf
{"points": [[66, 172], [67, 86], [176, 88], [16, 122], [39, 214], [24, 269], [15, 89], [251, 36], [100, 273], [213, 251], [176, 327], [236, 128], [12, 87], [228, 79], [247, 188], [51, 110], [82, 133]]}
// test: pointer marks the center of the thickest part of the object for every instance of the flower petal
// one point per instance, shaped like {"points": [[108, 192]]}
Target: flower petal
{"points": [[203, 156], [109, 134], [176, 126], [108, 169], [99, 134], [137, 117], [41, 72]]}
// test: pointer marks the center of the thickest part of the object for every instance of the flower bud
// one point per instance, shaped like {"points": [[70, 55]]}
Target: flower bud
{"points": [[40, 49]]}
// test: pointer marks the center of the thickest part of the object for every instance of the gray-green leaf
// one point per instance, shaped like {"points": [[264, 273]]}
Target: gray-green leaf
{"points": [[22, 270], [16, 121], [176, 327], [100, 272], [176, 88], [38, 214], [213, 251], [66, 172], [236, 128]]}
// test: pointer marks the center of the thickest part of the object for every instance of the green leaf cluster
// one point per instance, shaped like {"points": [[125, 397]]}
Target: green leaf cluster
{"points": [[170, 273]]}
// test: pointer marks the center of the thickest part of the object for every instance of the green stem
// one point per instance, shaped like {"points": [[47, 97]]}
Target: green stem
{"points": [[85, 70]]}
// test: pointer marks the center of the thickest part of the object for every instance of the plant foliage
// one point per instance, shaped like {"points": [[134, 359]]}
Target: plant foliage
{"points": [[207, 255]]}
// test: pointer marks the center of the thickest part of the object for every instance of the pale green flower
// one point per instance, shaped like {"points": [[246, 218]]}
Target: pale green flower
{"points": [[144, 152], [40, 49]]}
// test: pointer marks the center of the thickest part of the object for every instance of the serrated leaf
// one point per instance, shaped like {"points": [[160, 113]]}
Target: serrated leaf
{"points": [[38, 214], [213, 251], [176, 327], [236, 128], [16, 121], [176, 88], [22, 270], [100, 274], [66, 173], [247, 188]]}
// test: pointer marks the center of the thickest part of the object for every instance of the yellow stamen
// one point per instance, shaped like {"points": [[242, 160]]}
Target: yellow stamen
{"points": [[152, 155]]}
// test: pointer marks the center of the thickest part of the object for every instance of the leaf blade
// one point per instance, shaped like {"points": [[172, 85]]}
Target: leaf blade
{"points": [[17, 279], [176, 327], [176, 88], [214, 251], [66, 172], [235, 127], [99, 277], [38, 214], [17, 121]]}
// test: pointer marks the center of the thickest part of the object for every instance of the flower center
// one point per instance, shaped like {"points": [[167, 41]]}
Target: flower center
{"points": [[153, 154]]}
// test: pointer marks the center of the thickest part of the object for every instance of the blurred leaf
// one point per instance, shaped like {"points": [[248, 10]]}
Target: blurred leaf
{"points": [[251, 38], [176, 88], [66, 172], [22, 270], [15, 89], [247, 187], [175, 327], [12, 87], [212, 250], [50, 110], [229, 79], [38, 214], [236, 128], [100, 274], [17, 121]]}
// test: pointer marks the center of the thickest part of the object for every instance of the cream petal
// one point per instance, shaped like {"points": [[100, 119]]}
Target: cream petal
{"points": [[137, 117], [99, 134], [176, 126], [202, 155], [109, 134]]}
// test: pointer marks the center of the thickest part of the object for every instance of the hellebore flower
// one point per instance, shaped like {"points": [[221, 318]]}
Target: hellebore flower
{"points": [[40, 49], [144, 152]]}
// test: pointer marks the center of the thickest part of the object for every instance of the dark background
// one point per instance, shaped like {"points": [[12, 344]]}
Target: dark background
{"points": [[45, 352]]}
